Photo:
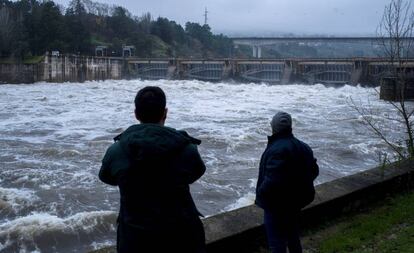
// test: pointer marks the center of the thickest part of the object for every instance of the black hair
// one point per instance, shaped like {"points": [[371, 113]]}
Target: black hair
{"points": [[150, 104]]}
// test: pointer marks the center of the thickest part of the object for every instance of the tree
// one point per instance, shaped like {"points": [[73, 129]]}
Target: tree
{"points": [[163, 29], [98, 9], [395, 37], [395, 31], [78, 34], [7, 26], [121, 23], [144, 22], [32, 27], [201, 33], [51, 29], [13, 42]]}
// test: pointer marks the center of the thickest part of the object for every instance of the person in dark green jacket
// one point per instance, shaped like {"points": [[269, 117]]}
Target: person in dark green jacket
{"points": [[153, 166]]}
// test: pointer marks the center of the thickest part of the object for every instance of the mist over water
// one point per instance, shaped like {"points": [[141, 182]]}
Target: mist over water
{"points": [[53, 137]]}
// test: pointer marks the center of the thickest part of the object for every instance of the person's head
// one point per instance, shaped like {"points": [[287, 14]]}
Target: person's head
{"points": [[150, 105], [281, 123]]}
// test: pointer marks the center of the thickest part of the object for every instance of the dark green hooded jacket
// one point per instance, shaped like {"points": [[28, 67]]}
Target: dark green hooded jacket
{"points": [[153, 166]]}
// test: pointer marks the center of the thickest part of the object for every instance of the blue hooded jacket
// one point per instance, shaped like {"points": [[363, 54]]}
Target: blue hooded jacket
{"points": [[286, 174]]}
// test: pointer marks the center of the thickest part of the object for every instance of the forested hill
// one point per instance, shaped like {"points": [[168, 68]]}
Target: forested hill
{"points": [[32, 27]]}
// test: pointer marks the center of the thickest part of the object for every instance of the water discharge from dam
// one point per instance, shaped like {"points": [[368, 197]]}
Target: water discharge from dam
{"points": [[53, 136]]}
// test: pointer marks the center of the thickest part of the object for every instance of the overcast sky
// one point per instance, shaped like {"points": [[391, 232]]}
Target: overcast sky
{"points": [[256, 17]]}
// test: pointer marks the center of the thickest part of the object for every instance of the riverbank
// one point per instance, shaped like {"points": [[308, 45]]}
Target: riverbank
{"points": [[386, 226], [27, 60], [361, 231]]}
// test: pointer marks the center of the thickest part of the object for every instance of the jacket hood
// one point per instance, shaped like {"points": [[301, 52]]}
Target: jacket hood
{"points": [[153, 141]]}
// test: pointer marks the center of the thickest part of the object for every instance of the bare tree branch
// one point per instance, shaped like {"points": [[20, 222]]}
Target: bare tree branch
{"points": [[371, 125], [394, 33]]}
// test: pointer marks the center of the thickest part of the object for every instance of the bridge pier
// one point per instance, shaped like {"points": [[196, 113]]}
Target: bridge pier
{"points": [[257, 51], [172, 70], [287, 73]]}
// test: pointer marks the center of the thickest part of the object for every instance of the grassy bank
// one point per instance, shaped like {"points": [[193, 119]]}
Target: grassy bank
{"points": [[27, 60], [387, 226]]}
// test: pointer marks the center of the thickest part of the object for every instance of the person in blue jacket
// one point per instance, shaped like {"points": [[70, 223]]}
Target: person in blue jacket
{"points": [[153, 166], [285, 184]]}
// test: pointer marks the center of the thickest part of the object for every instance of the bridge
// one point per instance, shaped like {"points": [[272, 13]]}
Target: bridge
{"points": [[258, 42]]}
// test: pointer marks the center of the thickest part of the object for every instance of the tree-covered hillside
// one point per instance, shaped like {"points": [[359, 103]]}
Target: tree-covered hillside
{"points": [[32, 27]]}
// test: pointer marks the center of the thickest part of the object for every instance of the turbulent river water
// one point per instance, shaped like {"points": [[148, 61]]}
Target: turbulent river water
{"points": [[53, 136]]}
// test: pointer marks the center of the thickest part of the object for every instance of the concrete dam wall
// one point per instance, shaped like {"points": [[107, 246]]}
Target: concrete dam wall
{"points": [[68, 68], [368, 71], [80, 69], [71, 68]]}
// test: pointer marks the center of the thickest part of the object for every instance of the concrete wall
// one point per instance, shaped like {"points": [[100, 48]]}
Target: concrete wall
{"points": [[241, 230], [19, 73], [66, 68], [71, 68], [79, 69], [392, 90], [366, 71]]}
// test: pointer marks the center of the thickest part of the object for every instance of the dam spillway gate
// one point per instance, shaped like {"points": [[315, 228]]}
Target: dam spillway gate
{"points": [[326, 71]]}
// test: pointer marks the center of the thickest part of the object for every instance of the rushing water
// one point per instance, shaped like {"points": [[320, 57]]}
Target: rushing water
{"points": [[53, 136]]}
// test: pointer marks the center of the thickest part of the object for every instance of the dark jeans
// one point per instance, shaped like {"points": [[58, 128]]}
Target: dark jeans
{"points": [[187, 237], [282, 231]]}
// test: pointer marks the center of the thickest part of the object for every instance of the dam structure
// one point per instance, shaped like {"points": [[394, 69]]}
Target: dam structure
{"points": [[75, 68], [336, 71], [274, 71]]}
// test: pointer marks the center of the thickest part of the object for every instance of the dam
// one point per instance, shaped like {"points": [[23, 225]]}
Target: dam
{"points": [[71, 68], [367, 71]]}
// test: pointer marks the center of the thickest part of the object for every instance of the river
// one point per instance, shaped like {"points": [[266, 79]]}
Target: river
{"points": [[53, 137]]}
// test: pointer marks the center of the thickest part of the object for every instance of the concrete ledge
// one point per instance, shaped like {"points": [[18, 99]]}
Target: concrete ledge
{"points": [[241, 230]]}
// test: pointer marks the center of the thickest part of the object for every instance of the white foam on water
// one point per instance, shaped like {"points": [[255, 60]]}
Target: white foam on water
{"points": [[17, 199], [101, 245], [24, 232], [253, 182], [366, 148], [245, 200]]}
